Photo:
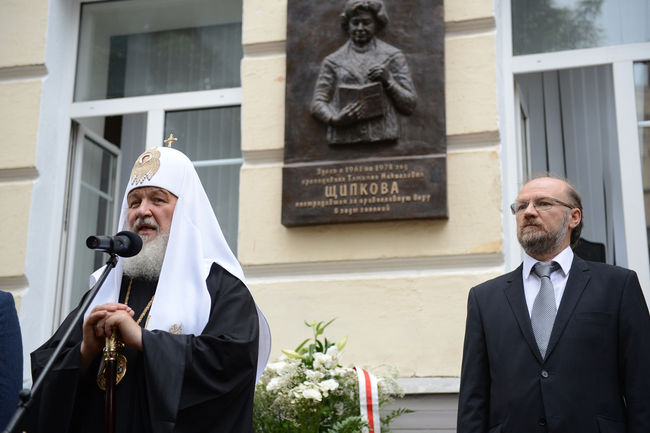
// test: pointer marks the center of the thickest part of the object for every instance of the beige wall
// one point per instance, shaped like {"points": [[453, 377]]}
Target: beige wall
{"points": [[23, 25], [413, 320], [414, 323]]}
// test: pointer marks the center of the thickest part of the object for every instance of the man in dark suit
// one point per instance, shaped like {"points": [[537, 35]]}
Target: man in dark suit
{"points": [[11, 358], [564, 352]]}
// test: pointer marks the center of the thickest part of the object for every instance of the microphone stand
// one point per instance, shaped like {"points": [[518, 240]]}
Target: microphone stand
{"points": [[26, 394]]}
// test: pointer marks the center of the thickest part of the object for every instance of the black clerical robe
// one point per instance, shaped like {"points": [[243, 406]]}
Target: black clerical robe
{"points": [[178, 383]]}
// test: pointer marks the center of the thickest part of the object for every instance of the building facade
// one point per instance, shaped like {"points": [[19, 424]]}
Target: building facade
{"points": [[87, 86]]}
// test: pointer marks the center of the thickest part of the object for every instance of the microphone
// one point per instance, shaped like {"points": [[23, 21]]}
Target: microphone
{"points": [[124, 244]]}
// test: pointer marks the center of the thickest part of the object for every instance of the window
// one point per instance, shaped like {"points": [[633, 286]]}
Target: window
{"points": [[540, 26], [145, 69], [91, 208], [642, 92], [136, 48]]}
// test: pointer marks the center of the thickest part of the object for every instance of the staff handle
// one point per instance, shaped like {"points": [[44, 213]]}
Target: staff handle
{"points": [[110, 364]]}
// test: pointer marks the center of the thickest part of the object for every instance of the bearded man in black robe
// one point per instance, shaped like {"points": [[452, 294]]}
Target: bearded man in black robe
{"points": [[195, 342]]}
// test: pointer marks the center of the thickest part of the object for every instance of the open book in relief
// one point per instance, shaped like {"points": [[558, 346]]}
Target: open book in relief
{"points": [[371, 97]]}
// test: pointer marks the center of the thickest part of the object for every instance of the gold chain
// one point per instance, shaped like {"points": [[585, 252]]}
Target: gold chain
{"points": [[146, 309]]}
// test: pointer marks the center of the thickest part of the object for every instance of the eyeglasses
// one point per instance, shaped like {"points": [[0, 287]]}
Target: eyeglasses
{"points": [[541, 205]]}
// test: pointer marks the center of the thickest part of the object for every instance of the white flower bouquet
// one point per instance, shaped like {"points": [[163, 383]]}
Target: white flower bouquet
{"points": [[308, 391]]}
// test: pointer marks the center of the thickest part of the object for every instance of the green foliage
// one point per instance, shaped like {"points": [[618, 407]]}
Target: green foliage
{"points": [[352, 424], [386, 420]]}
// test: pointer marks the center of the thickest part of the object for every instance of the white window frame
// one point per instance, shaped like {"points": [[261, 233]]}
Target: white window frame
{"points": [[69, 241], [622, 58], [522, 130], [155, 106]]}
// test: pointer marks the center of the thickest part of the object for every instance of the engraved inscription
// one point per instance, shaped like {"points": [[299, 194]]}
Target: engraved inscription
{"points": [[381, 189]]}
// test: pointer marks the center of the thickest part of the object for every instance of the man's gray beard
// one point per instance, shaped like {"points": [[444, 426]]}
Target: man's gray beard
{"points": [[541, 243], [148, 262]]}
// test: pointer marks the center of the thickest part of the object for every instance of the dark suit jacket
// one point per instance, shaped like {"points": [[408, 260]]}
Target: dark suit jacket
{"points": [[596, 376], [11, 358]]}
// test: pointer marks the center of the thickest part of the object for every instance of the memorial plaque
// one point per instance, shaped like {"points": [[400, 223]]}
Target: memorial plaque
{"points": [[371, 190], [364, 112]]}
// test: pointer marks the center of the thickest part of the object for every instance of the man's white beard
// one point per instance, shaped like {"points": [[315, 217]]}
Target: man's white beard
{"points": [[148, 262]]}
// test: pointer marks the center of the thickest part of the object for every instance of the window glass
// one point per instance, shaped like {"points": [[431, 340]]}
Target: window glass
{"points": [[642, 87], [211, 139], [221, 184], [540, 26], [641, 79], [206, 134], [144, 47], [95, 211], [127, 133]]}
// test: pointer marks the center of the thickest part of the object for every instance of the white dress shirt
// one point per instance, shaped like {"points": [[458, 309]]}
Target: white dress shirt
{"points": [[559, 278]]}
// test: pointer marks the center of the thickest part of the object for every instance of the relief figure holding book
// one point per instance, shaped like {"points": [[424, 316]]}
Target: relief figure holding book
{"points": [[363, 85]]}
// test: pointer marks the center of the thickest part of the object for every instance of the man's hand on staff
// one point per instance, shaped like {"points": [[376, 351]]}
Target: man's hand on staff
{"points": [[94, 330], [130, 331]]}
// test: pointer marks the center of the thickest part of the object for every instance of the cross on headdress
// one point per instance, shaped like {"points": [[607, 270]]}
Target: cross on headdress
{"points": [[170, 140]]}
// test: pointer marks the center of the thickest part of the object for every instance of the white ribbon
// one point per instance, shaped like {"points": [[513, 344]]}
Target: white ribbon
{"points": [[369, 400]]}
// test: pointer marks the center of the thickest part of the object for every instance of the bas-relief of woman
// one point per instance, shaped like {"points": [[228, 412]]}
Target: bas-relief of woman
{"points": [[363, 60]]}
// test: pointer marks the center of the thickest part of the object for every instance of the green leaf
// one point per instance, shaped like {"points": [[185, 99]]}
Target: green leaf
{"points": [[341, 344], [351, 424], [291, 353], [388, 419], [318, 330], [329, 323], [301, 345]]}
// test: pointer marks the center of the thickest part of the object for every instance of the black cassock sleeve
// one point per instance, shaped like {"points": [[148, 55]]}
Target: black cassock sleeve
{"points": [[190, 383], [206, 383]]}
